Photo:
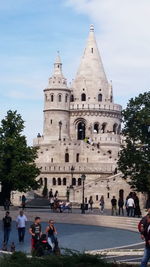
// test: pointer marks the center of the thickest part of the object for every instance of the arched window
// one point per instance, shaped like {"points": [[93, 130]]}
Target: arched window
{"points": [[59, 181], [96, 128], [41, 181], [104, 127], [81, 130], [100, 97], [45, 181], [83, 97], [111, 98], [115, 128], [64, 181], [52, 98], [59, 98], [79, 181], [73, 181], [121, 193], [77, 157], [54, 181], [72, 98], [46, 97], [66, 157], [66, 98]]}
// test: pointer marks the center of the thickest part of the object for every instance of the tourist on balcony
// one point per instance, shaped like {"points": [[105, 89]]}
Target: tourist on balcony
{"points": [[102, 204]]}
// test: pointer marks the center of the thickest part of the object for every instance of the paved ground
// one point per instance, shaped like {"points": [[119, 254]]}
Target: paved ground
{"points": [[86, 232]]}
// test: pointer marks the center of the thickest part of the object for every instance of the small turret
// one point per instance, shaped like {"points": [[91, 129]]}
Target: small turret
{"points": [[56, 105]]}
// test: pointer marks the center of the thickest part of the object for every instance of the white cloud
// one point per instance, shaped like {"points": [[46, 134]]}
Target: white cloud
{"points": [[122, 29]]}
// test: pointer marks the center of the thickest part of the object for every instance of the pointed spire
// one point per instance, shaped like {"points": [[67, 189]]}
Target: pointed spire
{"points": [[57, 80], [91, 63]]}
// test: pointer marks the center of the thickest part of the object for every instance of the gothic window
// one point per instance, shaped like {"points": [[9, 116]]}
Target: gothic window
{"points": [[64, 181], [96, 197], [59, 98], [73, 181], [51, 160], [66, 157], [72, 98], [92, 50], [104, 127], [81, 130], [59, 181], [100, 97], [54, 181], [111, 98], [96, 128], [66, 98], [52, 98], [115, 128], [41, 181], [79, 181], [45, 181], [77, 157], [83, 97], [46, 97], [51, 121]]}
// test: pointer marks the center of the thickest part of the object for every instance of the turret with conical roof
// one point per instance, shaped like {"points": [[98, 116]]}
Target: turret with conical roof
{"points": [[56, 105], [91, 78]]}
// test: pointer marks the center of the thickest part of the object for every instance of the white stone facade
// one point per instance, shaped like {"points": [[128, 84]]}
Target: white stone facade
{"points": [[87, 109]]}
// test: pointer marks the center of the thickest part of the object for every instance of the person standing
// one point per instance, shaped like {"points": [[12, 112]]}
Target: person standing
{"points": [[6, 204], [120, 205], [137, 210], [36, 231], [102, 204], [51, 231], [56, 195], [91, 203], [21, 226], [146, 235], [131, 206], [23, 200], [114, 206], [7, 221]]}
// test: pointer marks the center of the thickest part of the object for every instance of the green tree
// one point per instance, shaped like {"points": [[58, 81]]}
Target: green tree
{"points": [[134, 160], [18, 170]]}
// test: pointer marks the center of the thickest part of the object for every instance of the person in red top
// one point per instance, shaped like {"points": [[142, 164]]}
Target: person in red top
{"points": [[36, 232]]}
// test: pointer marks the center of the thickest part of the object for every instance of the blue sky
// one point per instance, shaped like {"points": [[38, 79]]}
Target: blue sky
{"points": [[33, 30]]}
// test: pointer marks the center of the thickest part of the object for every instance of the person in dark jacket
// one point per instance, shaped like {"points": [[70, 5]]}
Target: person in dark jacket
{"points": [[120, 205], [114, 206], [7, 220], [146, 234], [137, 210]]}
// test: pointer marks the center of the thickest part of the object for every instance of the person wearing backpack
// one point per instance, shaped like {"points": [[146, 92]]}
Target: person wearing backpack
{"points": [[7, 220]]}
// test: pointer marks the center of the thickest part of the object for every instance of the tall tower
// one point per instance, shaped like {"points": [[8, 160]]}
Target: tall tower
{"points": [[56, 105], [93, 111]]}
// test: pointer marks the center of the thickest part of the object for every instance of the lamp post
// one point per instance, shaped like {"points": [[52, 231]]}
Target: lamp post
{"points": [[83, 204], [60, 125]]}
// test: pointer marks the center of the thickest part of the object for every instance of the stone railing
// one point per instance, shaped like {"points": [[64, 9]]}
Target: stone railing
{"points": [[102, 106]]}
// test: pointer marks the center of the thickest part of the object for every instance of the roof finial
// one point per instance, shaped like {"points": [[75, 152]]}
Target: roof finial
{"points": [[91, 28]]}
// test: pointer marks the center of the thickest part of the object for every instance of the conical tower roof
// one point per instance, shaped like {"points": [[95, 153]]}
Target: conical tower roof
{"points": [[91, 65], [57, 80], [91, 77]]}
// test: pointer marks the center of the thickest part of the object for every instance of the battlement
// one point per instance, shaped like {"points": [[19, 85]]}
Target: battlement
{"points": [[102, 106]]}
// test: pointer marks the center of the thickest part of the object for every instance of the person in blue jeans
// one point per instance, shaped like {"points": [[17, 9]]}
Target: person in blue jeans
{"points": [[7, 227], [145, 234]]}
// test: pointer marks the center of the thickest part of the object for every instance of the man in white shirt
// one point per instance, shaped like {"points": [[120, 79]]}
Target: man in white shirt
{"points": [[130, 206], [21, 225]]}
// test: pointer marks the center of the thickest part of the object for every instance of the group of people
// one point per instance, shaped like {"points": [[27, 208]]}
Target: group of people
{"points": [[41, 243], [58, 205], [131, 205], [7, 226]]}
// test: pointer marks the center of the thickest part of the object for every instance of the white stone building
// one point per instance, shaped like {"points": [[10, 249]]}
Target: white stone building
{"points": [[71, 115]]}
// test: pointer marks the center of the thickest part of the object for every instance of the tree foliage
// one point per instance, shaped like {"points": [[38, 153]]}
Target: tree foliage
{"points": [[18, 170], [134, 160]]}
